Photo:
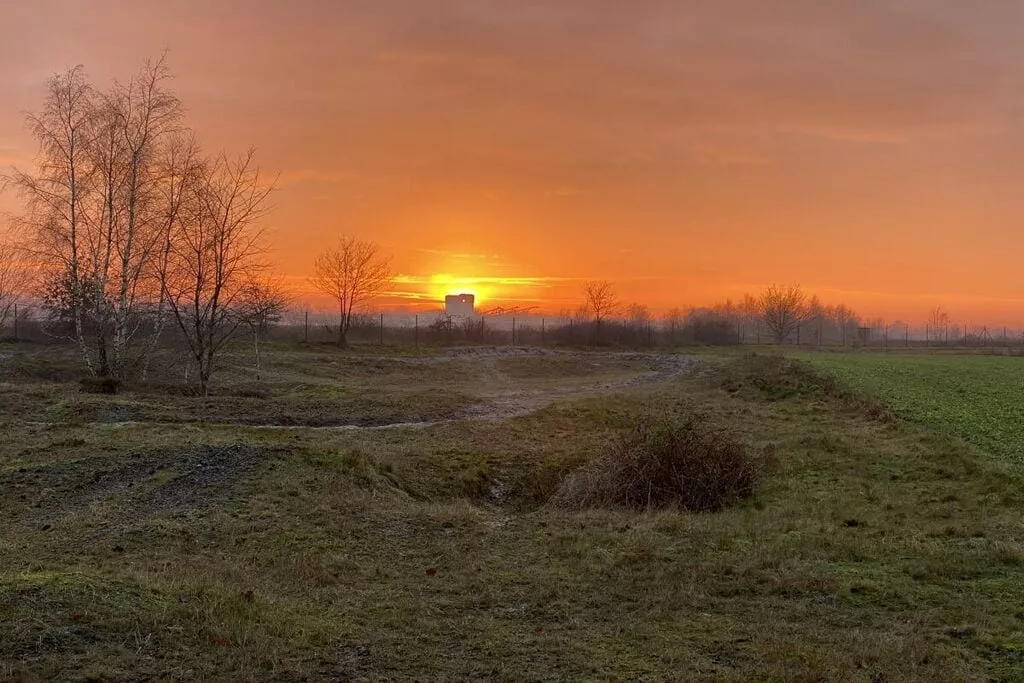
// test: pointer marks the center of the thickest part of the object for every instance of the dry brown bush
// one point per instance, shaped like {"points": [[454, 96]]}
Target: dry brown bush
{"points": [[686, 466]]}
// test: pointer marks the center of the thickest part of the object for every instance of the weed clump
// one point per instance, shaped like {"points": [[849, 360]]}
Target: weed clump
{"points": [[687, 467]]}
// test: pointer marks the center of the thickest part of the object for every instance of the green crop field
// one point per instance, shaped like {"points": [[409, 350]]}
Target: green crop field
{"points": [[978, 398]]}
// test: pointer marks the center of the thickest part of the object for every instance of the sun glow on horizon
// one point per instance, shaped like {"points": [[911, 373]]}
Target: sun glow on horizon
{"points": [[445, 284]]}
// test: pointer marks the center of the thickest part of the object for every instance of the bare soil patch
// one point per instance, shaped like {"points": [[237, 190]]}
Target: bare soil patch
{"points": [[146, 483]]}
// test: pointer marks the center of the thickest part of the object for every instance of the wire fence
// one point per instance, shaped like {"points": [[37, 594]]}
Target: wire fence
{"points": [[436, 329]]}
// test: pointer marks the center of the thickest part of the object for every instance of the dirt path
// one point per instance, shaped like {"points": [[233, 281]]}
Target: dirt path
{"points": [[498, 402], [505, 404]]}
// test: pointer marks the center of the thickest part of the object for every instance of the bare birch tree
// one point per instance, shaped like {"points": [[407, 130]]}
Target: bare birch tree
{"points": [[57, 191], [212, 255], [97, 210], [352, 273], [783, 310]]}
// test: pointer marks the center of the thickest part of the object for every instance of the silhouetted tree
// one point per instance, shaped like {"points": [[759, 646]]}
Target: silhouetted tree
{"points": [[600, 301], [938, 323], [352, 273], [638, 318], [783, 310], [674, 321]]}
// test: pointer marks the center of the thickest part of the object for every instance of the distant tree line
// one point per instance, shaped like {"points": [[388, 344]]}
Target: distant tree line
{"points": [[778, 314]]}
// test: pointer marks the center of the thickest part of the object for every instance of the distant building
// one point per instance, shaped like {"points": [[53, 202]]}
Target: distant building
{"points": [[460, 305]]}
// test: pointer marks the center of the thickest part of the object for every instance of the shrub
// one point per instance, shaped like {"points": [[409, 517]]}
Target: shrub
{"points": [[684, 466]]}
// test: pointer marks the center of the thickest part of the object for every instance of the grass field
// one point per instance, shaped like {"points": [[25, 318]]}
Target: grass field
{"points": [[152, 535], [979, 398]]}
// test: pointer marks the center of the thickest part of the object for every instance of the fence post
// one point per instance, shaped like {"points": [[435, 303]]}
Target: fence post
{"points": [[306, 336], [542, 330], [15, 321], [513, 331], [382, 329], [416, 334]]}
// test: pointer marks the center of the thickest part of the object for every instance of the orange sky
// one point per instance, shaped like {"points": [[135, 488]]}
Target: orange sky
{"points": [[687, 151]]}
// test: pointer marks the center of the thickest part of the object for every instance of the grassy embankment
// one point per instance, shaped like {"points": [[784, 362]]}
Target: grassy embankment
{"points": [[872, 549]]}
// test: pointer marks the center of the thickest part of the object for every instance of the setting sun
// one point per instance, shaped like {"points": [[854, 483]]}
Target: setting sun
{"points": [[444, 284]]}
